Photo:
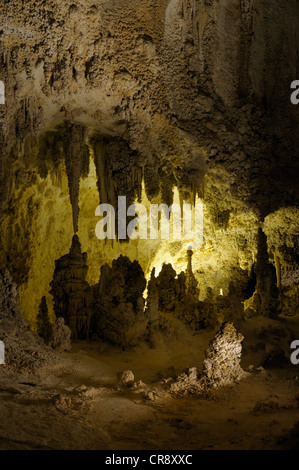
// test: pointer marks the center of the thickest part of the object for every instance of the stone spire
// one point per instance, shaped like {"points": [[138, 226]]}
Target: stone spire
{"points": [[192, 290]]}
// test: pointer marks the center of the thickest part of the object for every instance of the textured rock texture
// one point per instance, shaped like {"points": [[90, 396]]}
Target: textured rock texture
{"points": [[119, 304], [61, 336], [221, 365], [173, 81], [193, 96], [23, 349], [127, 378], [71, 293]]}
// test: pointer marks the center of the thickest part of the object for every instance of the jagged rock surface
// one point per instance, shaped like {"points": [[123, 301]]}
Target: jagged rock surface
{"points": [[185, 90], [72, 294], [61, 336], [119, 303], [23, 349], [127, 378], [221, 366]]}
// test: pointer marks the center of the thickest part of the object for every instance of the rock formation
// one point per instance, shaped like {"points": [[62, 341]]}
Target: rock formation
{"points": [[167, 288], [265, 298], [152, 298], [72, 294], [221, 365], [11, 317], [61, 336], [192, 290], [44, 327], [24, 350], [99, 99], [127, 378], [119, 303]]}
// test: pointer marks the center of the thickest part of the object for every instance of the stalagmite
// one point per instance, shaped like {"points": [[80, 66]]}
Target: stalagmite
{"points": [[72, 294]]}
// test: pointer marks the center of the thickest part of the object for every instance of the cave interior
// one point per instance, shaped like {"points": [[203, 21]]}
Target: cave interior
{"points": [[168, 102]]}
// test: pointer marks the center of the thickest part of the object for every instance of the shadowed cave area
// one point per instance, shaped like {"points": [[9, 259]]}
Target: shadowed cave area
{"points": [[142, 342]]}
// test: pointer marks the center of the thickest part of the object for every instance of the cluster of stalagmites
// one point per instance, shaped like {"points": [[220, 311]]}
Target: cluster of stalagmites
{"points": [[114, 309], [276, 291]]}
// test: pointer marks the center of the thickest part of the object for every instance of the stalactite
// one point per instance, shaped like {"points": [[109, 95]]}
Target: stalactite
{"points": [[166, 185], [151, 180], [104, 173], [76, 155], [65, 141], [118, 171]]}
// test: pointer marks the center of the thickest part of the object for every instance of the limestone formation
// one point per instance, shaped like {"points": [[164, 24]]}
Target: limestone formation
{"points": [[119, 303], [221, 365], [265, 298], [163, 102], [61, 336], [167, 288], [182, 95], [172, 296], [211, 315], [44, 327], [11, 318], [24, 350], [152, 303], [192, 290], [72, 294], [127, 378]]}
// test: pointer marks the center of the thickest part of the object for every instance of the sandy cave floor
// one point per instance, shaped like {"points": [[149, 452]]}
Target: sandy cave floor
{"points": [[77, 404]]}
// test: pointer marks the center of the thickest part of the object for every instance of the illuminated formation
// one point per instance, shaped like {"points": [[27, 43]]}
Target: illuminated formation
{"points": [[114, 309], [221, 365], [119, 303], [72, 294]]}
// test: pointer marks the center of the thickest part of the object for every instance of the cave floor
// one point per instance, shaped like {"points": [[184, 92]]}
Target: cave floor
{"points": [[77, 404]]}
